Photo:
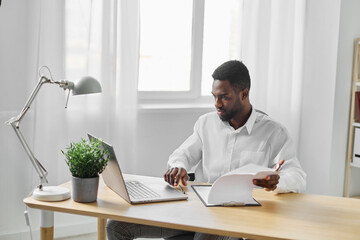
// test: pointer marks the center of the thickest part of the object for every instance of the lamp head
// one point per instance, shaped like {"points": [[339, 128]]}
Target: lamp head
{"points": [[86, 85]]}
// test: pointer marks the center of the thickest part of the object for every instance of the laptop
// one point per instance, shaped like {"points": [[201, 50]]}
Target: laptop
{"points": [[135, 191]]}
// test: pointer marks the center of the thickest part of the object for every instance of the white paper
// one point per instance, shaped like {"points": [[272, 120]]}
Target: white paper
{"points": [[236, 186]]}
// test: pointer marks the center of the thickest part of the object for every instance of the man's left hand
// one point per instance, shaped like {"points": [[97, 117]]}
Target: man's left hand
{"points": [[270, 182]]}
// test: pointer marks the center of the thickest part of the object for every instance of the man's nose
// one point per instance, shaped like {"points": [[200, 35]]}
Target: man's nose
{"points": [[218, 103]]}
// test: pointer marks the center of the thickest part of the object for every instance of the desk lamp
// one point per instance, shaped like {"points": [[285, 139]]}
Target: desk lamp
{"points": [[85, 85]]}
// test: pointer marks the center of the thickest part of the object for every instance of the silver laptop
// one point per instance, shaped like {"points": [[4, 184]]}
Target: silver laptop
{"points": [[135, 191]]}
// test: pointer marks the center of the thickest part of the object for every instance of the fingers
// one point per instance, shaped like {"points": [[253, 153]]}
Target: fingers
{"points": [[167, 176], [269, 183], [184, 179], [174, 175], [279, 164]]}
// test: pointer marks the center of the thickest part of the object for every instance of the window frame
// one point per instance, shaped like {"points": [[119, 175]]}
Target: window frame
{"points": [[194, 94]]}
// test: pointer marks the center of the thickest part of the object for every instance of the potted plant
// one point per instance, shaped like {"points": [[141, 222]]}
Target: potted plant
{"points": [[86, 160]]}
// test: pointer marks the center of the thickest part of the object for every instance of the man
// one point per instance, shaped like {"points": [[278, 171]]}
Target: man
{"points": [[233, 136]]}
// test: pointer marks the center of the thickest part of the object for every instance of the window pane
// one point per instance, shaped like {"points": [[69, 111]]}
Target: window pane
{"points": [[222, 24], [165, 45]]}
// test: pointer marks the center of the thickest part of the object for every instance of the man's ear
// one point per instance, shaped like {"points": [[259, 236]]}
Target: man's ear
{"points": [[244, 94]]}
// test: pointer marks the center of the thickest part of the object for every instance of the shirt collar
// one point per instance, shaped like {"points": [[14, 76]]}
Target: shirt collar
{"points": [[248, 125], [251, 120]]}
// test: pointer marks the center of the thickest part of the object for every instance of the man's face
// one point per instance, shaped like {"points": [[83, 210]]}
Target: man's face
{"points": [[228, 101]]}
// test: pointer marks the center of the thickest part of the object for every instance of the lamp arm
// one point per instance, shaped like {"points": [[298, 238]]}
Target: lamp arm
{"points": [[15, 122], [41, 81], [41, 171]]}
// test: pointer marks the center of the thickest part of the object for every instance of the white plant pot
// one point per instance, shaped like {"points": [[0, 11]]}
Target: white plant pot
{"points": [[85, 189]]}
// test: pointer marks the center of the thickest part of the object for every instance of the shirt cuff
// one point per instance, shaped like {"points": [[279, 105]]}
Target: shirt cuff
{"points": [[289, 183], [177, 164]]}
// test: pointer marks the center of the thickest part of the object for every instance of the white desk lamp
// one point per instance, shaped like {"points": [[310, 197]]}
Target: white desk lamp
{"points": [[85, 85]]}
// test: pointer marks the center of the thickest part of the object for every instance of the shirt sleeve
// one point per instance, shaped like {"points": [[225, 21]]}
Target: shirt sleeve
{"points": [[189, 153], [292, 176]]}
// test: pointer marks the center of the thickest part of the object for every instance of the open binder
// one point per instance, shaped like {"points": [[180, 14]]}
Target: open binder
{"points": [[234, 188]]}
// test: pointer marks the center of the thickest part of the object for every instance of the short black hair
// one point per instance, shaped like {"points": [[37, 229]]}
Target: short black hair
{"points": [[235, 72]]}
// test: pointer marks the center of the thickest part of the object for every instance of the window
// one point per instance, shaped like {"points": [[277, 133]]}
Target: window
{"points": [[182, 42], [165, 45], [221, 42]]}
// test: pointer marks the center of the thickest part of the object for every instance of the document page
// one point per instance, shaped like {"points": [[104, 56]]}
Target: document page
{"points": [[203, 193], [234, 188]]}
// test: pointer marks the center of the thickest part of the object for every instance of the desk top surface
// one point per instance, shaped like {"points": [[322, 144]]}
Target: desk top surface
{"points": [[281, 216]]}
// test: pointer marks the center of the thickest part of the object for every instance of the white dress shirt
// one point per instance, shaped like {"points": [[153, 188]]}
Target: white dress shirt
{"points": [[216, 148]]}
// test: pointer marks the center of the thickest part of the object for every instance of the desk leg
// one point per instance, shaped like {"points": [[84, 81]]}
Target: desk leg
{"points": [[47, 225], [101, 228]]}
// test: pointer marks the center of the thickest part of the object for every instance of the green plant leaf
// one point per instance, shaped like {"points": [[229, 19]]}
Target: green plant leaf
{"points": [[86, 159]]}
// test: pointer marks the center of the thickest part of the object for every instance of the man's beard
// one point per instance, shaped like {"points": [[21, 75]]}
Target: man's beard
{"points": [[228, 116]]}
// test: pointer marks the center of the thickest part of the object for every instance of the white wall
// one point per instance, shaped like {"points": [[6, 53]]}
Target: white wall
{"points": [[322, 144], [14, 59], [349, 30], [329, 42], [320, 59], [160, 132]]}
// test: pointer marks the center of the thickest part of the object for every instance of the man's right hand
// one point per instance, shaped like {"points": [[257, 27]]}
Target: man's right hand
{"points": [[173, 176]]}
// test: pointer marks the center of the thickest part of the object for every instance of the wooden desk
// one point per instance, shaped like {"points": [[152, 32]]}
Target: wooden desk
{"points": [[282, 216]]}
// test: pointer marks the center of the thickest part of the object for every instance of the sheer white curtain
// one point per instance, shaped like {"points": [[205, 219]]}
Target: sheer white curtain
{"points": [[272, 48], [96, 38], [104, 43], [116, 62]]}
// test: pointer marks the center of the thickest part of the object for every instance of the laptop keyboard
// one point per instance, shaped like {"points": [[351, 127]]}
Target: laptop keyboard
{"points": [[138, 190]]}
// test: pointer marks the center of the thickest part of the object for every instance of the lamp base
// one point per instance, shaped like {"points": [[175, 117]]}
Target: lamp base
{"points": [[51, 194]]}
